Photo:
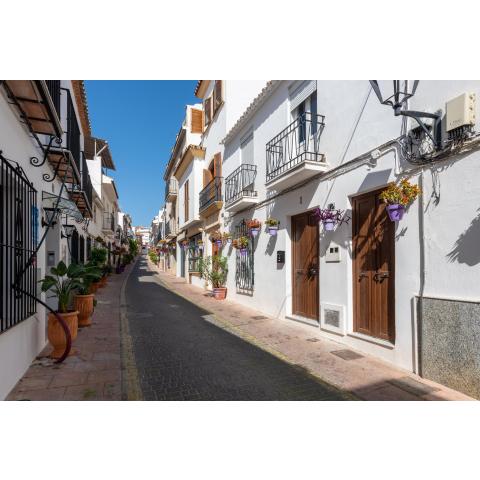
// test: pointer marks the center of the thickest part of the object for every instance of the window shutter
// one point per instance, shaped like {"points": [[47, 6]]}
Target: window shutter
{"points": [[217, 165], [197, 120], [208, 111], [217, 95], [207, 177], [300, 91], [186, 200]]}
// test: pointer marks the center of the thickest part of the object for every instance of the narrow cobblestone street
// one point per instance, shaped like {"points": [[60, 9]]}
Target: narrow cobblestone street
{"points": [[181, 355]]}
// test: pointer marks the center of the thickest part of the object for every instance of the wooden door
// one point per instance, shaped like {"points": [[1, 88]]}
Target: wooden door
{"points": [[305, 266], [373, 268]]}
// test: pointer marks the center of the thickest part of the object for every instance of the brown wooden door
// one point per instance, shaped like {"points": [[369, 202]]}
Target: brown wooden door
{"points": [[373, 268], [305, 266]]}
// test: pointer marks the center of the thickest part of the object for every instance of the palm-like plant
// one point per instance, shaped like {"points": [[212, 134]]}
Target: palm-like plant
{"points": [[63, 281], [89, 273], [214, 270]]}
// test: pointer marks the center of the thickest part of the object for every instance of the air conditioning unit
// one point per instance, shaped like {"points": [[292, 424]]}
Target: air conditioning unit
{"points": [[332, 318], [460, 112]]}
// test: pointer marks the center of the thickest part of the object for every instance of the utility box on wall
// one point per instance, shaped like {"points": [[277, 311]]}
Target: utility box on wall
{"points": [[333, 253], [460, 111], [280, 256]]}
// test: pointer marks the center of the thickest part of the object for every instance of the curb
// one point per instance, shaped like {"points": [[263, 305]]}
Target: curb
{"points": [[130, 383]]}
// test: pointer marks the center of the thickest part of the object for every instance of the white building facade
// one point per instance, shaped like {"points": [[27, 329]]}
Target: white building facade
{"points": [[405, 291]]}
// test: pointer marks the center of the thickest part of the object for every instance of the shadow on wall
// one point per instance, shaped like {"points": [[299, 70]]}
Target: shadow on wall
{"points": [[466, 247]]}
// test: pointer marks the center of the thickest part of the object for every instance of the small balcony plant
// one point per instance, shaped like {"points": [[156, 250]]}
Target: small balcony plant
{"points": [[62, 282], [217, 238], [398, 196], [330, 217], [254, 226], [272, 225], [227, 237], [214, 269]]}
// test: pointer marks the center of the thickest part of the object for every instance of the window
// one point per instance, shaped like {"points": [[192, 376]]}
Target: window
{"points": [[186, 200], [207, 107], [217, 96], [19, 224]]}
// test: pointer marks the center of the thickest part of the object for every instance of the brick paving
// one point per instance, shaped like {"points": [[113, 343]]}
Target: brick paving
{"points": [[363, 376], [93, 372], [181, 354]]}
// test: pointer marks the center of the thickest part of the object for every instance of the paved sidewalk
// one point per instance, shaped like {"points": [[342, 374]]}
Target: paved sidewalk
{"points": [[363, 376], [93, 372]]}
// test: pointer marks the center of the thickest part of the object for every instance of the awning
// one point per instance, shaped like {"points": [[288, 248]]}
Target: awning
{"points": [[66, 206]]}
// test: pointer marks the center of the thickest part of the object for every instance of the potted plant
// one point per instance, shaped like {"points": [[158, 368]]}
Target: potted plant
{"points": [[106, 270], [62, 282], [215, 270], [398, 197], [272, 225], [83, 300], [217, 238], [242, 245], [184, 244], [329, 217], [254, 226], [227, 237]]}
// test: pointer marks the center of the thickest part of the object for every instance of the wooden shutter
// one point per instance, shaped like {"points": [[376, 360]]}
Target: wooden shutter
{"points": [[197, 121], [186, 200], [217, 95], [208, 111], [207, 177], [217, 165]]}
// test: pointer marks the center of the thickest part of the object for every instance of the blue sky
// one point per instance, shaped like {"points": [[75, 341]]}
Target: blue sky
{"points": [[139, 119]]}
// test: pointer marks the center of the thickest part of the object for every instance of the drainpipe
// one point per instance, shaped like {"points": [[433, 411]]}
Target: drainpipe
{"points": [[419, 306]]}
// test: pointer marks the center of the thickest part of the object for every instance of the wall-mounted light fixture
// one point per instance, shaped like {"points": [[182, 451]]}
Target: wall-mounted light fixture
{"points": [[396, 94], [50, 217], [68, 229]]}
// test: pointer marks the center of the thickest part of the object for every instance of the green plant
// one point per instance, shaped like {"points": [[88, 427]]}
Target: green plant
{"points": [[272, 222], [133, 246], [88, 274], [216, 236], [63, 281], [214, 270], [402, 193], [98, 256], [107, 269], [153, 256], [243, 242]]}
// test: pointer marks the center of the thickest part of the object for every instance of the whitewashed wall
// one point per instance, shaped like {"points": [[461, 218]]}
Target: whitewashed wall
{"points": [[355, 124]]}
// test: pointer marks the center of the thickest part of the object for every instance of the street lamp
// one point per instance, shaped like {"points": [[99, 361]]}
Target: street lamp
{"points": [[50, 215], [396, 94], [68, 231]]}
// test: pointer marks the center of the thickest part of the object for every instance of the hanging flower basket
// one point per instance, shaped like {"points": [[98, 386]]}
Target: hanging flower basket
{"points": [[272, 226], [398, 197], [254, 226], [227, 237], [330, 217], [243, 251], [242, 244], [217, 238]]}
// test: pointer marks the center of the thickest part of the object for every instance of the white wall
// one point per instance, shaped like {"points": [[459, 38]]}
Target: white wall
{"points": [[356, 123]]}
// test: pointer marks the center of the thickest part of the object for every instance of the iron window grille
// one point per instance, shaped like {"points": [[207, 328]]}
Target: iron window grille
{"points": [[194, 254], [244, 263], [18, 241], [53, 87], [73, 131], [240, 183], [171, 187], [108, 221], [211, 193], [299, 142]]}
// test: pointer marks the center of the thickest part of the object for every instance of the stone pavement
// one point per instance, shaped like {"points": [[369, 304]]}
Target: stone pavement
{"points": [[93, 372], [182, 354], [365, 377]]}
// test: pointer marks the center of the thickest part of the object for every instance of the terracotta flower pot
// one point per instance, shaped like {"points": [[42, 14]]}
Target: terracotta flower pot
{"points": [[84, 305], [93, 287], [220, 293], [103, 281], [56, 335]]}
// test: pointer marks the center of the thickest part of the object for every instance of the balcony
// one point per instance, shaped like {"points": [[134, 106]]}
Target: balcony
{"points": [[81, 193], [239, 188], [211, 199], [108, 222], [171, 189], [293, 155], [171, 229]]}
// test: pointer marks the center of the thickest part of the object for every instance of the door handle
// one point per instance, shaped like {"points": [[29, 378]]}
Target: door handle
{"points": [[312, 271], [381, 275], [363, 274]]}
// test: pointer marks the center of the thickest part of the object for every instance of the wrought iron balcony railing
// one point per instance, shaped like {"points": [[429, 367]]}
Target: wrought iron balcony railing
{"points": [[211, 193], [297, 143], [171, 227], [53, 87], [73, 131], [240, 183], [171, 187], [108, 221], [87, 182]]}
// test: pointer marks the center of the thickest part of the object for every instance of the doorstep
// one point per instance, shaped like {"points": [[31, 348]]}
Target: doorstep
{"points": [[364, 376]]}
